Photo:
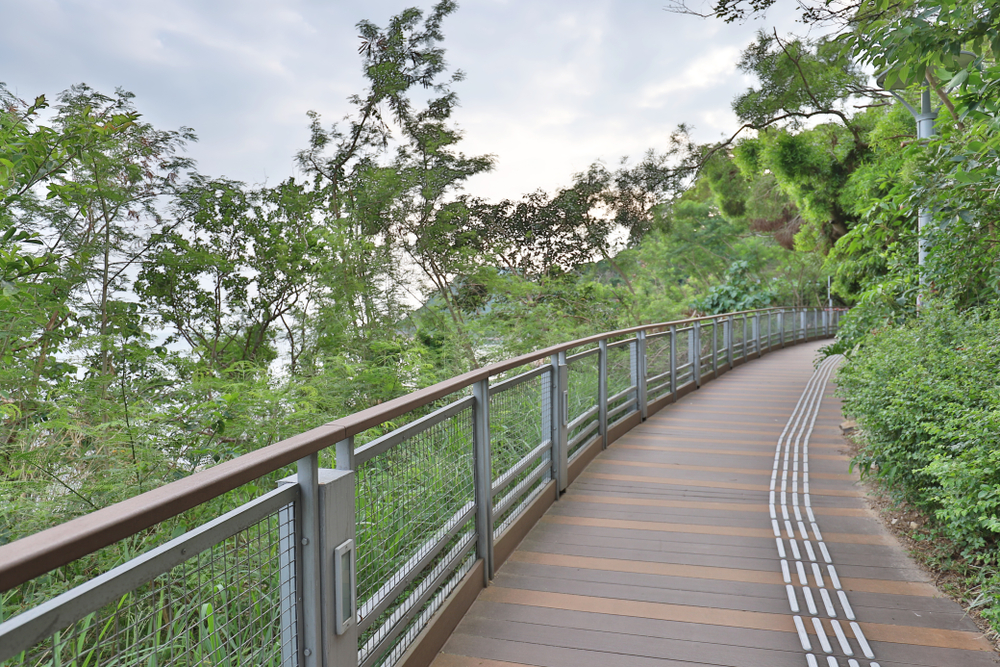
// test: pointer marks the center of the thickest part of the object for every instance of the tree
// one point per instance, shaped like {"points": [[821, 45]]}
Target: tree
{"points": [[229, 279], [740, 291]]}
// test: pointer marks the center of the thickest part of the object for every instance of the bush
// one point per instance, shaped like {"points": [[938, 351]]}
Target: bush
{"points": [[927, 398]]}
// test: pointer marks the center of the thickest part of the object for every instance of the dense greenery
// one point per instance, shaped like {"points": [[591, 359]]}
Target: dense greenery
{"points": [[928, 396], [156, 320]]}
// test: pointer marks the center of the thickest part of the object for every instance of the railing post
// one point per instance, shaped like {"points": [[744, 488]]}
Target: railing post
{"points": [[484, 476], [560, 420], [744, 336], [781, 327], [345, 454], [339, 568], [805, 324], [328, 631], [755, 333], [694, 345], [637, 352], [729, 340], [602, 390], [673, 360], [308, 598], [715, 347]]}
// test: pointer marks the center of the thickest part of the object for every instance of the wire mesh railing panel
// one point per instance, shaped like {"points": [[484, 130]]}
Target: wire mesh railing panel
{"points": [[409, 500], [421, 615], [621, 376], [228, 605], [685, 369], [658, 365], [583, 381], [517, 421], [705, 340], [657, 355]]}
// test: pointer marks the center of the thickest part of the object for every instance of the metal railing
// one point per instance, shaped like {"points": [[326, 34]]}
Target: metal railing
{"points": [[346, 565]]}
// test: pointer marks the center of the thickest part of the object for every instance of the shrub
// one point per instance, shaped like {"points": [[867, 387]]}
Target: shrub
{"points": [[927, 398]]}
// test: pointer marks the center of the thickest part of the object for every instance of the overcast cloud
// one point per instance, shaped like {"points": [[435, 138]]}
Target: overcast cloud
{"points": [[551, 85]]}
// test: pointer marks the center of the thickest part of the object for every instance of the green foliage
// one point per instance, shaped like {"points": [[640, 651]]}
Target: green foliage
{"points": [[798, 79], [925, 395], [739, 292]]}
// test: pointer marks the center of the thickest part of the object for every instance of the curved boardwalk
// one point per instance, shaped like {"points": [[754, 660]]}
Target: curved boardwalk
{"points": [[664, 552]]}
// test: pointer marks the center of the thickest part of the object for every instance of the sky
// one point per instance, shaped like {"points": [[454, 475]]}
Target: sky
{"points": [[551, 85]]}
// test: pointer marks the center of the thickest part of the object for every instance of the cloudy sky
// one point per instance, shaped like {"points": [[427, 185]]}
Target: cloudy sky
{"points": [[552, 85]]}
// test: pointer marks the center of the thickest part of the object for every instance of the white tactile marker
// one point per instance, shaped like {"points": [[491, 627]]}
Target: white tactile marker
{"points": [[793, 601], [803, 636], [860, 636], [833, 576], [828, 603], [810, 602], [819, 535], [824, 641], [845, 645], [846, 605]]}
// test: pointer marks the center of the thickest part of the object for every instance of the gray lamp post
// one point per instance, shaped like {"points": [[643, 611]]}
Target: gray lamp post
{"points": [[925, 130]]}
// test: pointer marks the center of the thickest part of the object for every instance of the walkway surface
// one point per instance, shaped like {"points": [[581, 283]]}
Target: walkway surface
{"points": [[664, 552]]}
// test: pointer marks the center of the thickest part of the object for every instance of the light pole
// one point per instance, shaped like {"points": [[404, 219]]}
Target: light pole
{"points": [[925, 130]]}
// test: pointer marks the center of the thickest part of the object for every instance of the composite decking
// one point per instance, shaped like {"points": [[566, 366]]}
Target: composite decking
{"points": [[663, 552]]}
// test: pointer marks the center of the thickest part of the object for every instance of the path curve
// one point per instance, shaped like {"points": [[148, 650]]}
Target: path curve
{"points": [[725, 530]]}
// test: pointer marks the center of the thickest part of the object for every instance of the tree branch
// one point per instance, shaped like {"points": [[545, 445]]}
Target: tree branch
{"points": [[936, 87]]}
